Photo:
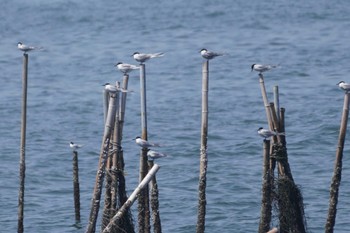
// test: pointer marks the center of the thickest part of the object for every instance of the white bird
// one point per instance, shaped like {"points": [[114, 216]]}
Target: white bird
{"points": [[344, 86], [267, 133], [155, 155], [142, 57], [126, 68], [26, 48], [262, 68], [113, 89], [210, 55], [145, 144], [74, 146]]}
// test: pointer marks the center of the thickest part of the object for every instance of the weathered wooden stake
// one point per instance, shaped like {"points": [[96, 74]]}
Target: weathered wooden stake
{"points": [[334, 189], [116, 149], [203, 150], [123, 104], [266, 102], [266, 207], [157, 226], [76, 187], [105, 104], [143, 206], [95, 206], [22, 161], [143, 184], [276, 101]]}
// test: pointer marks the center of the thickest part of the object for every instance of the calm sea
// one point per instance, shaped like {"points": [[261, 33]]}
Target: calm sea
{"points": [[83, 39]]}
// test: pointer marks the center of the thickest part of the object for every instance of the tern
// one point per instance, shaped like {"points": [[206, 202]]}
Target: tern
{"points": [[74, 146], [344, 86], [142, 57], [145, 144], [210, 55], [26, 48], [262, 68], [113, 89], [155, 155], [126, 68], [267, 133]]}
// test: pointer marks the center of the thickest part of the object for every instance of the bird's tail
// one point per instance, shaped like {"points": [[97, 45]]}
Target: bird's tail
{"points": [[157, 55], [281, 133], [156, 145]]}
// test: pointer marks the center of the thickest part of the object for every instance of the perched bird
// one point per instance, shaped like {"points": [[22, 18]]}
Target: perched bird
{"points": [[26, 48], [344, 86], [74, 146], [262, 68], [210, 55], [126, 68], [142, 57], [113, 89], [267, 133], [145, 144], [155, 155]]}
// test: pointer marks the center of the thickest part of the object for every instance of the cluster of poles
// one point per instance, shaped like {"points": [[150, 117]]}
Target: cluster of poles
{"points": [[116, 215]]}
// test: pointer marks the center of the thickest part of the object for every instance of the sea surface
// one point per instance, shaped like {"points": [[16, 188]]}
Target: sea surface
{"points": [[82, 41]]}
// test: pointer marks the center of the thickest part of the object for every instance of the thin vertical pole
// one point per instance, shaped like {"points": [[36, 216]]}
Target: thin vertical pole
{"points": [[203, 150], [76, 187], [157, 226], [266, 102], [105, 104], [334, 190], [143, 205], [123, 104], [266, 207], [22, 164], [276, 100], [95, 203]]}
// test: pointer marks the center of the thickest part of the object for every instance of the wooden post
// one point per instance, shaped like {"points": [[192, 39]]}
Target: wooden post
{"points": [[110, 201], [105, 104], [157, 226], [266, 205], [143, 184], [116, 149], [203, 150], [334, 189], [143, 206], [127, 219], [22, 161], [76, 187], [276, 100], [95, 206], [266, 102], [123, 104]]}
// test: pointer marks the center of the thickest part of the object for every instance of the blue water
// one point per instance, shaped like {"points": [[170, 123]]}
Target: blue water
{"points": [[83, 39]]}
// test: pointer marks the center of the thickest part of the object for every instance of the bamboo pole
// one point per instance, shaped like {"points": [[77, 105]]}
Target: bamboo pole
{"points": [[265, 100], [157, 226], [266, 207], [334, 189], [128, 224], [123, 104], [101, 166], [22, 164], [276, 100], [116, 148], [143, 205], [203, 150], [142, 185], [107, 200], [110, 201], [105, 104], [76, 187]]}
